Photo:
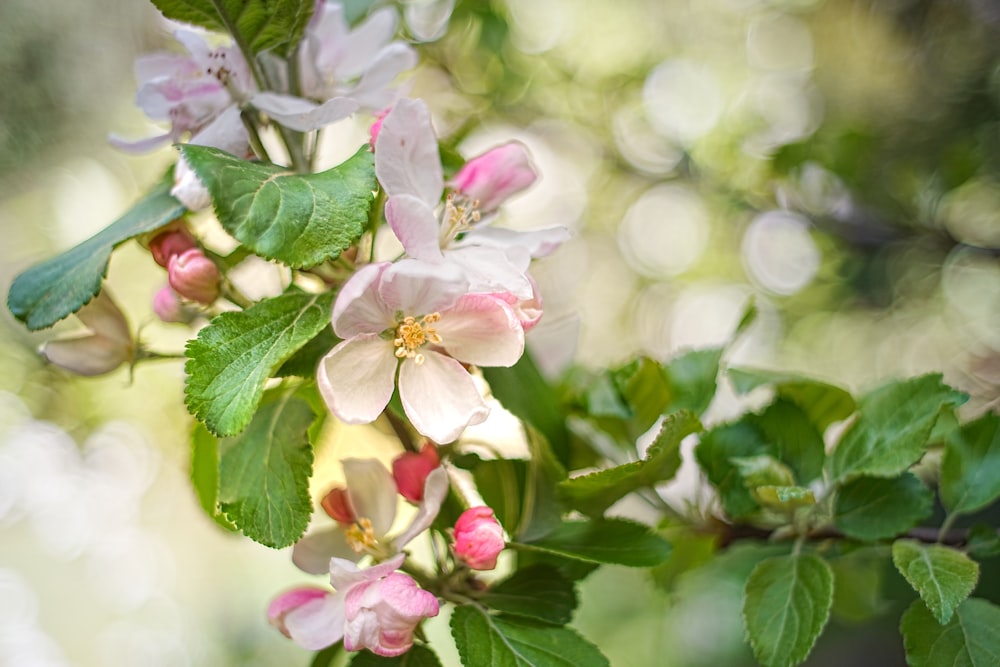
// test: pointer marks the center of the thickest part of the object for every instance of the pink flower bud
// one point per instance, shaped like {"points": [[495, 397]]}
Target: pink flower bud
{"points": [[382, 614], [337, 503], [167, 306], [194, 276], [170, 243], [410, 471], [478, 538], [496, 175], [106, 347]]}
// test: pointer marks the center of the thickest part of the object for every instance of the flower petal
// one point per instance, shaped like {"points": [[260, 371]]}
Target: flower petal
{"points": [[416, 227], [313, 552], [359, 308], [374, 91], [317, 623], [538, 242], [418, 288], [493, 269], [344, 573], [372, 492], [363, 43], [406, 153], [356, 378], [440, 397], [301, 115], [483, 330], [435, 490]]}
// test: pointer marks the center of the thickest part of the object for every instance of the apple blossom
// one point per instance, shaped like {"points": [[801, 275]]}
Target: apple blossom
{"points": [[383, 613], [410, 471], [478, 538], [495, 175], [106, 346]]}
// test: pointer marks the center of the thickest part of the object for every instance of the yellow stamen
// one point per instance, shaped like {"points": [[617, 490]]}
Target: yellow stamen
{"points": [[412, 334], [361, 535], [460, 214]]}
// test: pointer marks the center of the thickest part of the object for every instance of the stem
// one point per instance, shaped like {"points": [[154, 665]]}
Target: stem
{"points": [[401, 430], [946, 527], [929, 535], [253, 133]]}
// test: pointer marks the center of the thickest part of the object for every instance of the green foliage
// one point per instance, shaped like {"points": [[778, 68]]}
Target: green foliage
{"points": [[300, 220], [823, 403], [262, 25], [784, 498], [971, 638], [857, 584], [788, 600], [205, 473], [793, 438], [417, 656], [893, 427], [538, 592], [541, 510], [872, 508], [264, 472], [231, 359], [715, 454], [970, 468], [594, 493], [942, 576], [304, 362], [617, 541], [60, 286], [485, 640], [692, 378]]}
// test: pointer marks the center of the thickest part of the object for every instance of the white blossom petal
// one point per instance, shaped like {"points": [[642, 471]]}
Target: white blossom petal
{"points": [[440, 397], [492, 270], [317, 623], [538, 242], [406, 153], [416, 227], [483, 330], [418, 288], [435, 491], [313, 552], [364, 43], [359, 309], [373, 90], [356, 378], [372, 492], [344, 573], [301, 115]]}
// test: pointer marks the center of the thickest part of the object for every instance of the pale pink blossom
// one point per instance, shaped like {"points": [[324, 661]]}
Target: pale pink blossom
{"points": [[104, 347], [478, 538], [419, 319], [194, 276], [383, 613], [496, 175], [410, 471]]}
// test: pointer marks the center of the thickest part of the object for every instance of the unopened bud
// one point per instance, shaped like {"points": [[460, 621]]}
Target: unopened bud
{"points": [[168, 306], [169, 244], [478, 538], [495, 175], [105, 348], [194, 276], [410, 471], [338, 505]]}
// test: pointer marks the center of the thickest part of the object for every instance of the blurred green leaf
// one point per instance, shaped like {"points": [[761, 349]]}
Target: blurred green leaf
{"points": [[715, 454], [300, 220], [857, 584], [692, 378], [691, 549], [787, 604], [983, 542], [277, 25], [893, 427], [762, 470], [873, 508], [205, 473], [823, 403], [970, 468], [541, 509], [971, 638], [502, 483], [792, 438], [58, 287], [539, 592], [784, 498], [484, 639], [418, 656], [942, 576], [231, 359], [617, 541], [326, 657]]}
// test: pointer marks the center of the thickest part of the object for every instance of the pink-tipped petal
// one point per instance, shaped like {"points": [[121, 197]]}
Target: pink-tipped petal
{"points": [[344, 573], [415, 225], [313, 552], [356, 378], [496, 175], [359, 308], [478, 538], [418, 288], [410, 471], [382, 615], [440, 397], [435, 491], [372, 492], [406, 153], [483, 330], [317, 623]]}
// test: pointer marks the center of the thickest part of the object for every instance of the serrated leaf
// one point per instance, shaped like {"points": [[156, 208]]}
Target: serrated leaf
{"points": [[300, 220], [857, 585], [893, 427], [715, 452], [873, 508], [485, 640], [942, 576], [264, 473], [646, 391], [788, 600], [58, 287], [823, 403], [594, 493], [305, 361], [205, 473], [538, 592], [792, 438], [262, 24], [417, 656], [970, 468], [970, 639], [616, 541], [784, 498], [231, 359], [692, 377]]}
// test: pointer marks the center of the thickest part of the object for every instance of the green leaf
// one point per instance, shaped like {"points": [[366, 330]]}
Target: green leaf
{"points": [[304, 362], [970, 469], [691, 550], [970, 639], [692, 377], [762, 470], [205, 473], [538, 592], [788, 600], [893, 427], [823, 403], [485, 640], [541, 510], [58, 287], [262, 24], [646, 391], [501, 483], [417, 656], [872, 508], [942, 576], [857, 584], [231, 359], [792, 438], [784, 498], [594, 493], [715, 454], [300, 220], [326, 657], [264, 472], [983, 542], [604, 541]]}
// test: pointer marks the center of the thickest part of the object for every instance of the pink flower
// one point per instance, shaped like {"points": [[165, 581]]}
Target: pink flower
{"points": [[410, 471], [106, 346], [416, 318], [167, 306], [194, 276], [383, 613], [478, 538], [172, 242], [496, 175]]}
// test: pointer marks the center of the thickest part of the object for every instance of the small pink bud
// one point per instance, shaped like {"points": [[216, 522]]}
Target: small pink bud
{"points": [[478, 538], [194, 276], [167, 306], [106, 347], [410, 471], [170, 243], [377, 126], [337, 503], [382, 614], [496, 175]]}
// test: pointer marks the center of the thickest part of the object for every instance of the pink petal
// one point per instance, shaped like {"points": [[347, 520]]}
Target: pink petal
{"points": [[356, 378], [372, 492], [417, 288], [344, 573], [492, 269], [406, 153], [317, 623], [483, 330], [359, 308], [301, 115], [313, 552], [416, 227], [440, 397], [495, 175], [435, 491]]}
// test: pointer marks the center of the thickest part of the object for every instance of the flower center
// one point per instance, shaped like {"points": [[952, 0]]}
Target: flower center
{"points": [[460, 214], [412, 334], [361, 535]]}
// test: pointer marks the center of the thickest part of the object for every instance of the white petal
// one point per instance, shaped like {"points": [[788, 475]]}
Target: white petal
{"points": [[359, 308], [418, 288], [301, 115], [428, 19], [139, 145], [374, 90], [226, 132], [435, 490], [415, 225], [313, 552], [440, 397], [406, 153], [356, 378], [483, 330], [318, 623], [538, 242], [344, 573], [492, 270], [372, 492], [365, 41]]}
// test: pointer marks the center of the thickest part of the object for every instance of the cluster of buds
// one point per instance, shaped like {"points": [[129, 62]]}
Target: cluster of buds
{"points": [[190, 273]]}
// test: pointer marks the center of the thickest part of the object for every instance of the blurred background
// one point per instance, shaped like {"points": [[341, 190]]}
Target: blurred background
{"points": [[837, 160]]}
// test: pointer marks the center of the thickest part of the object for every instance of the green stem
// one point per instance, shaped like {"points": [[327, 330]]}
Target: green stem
{"points": [[946, 526], [230, 292], [253, 132]]}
